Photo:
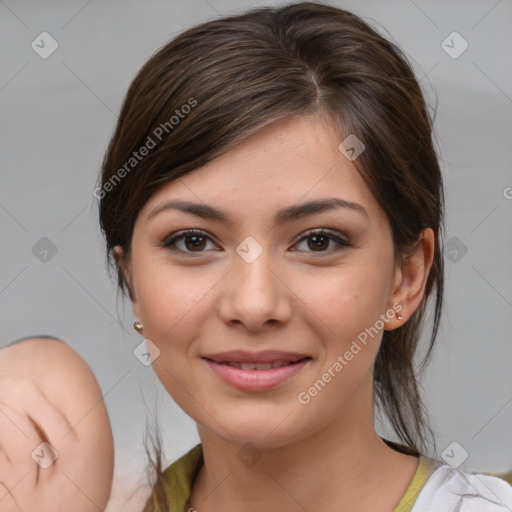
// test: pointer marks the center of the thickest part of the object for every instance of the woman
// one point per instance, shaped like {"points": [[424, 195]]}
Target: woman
{"points": [[273, 202]]}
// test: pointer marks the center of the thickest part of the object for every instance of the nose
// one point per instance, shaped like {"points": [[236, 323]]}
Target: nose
{"points": [[255, 295]]}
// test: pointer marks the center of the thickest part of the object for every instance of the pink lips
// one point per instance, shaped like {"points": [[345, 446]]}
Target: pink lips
{"points": [[256, 371]]}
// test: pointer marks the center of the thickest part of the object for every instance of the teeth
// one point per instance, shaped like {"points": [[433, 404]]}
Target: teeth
{"points": [[258, 366], [278, 364]]}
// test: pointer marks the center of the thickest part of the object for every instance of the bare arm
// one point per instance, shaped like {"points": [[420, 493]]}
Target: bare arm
{"points": [[56, 446]]}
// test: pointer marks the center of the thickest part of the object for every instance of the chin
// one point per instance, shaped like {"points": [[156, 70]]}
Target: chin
{"points": [[257, 428]]}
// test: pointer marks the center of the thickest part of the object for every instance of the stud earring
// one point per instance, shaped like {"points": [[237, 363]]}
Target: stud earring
{"points": [[400, 317], [138, 326]]}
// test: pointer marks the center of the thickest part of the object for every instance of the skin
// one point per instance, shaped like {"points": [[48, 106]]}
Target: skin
{"points": [[48, 381], [293, 297]]}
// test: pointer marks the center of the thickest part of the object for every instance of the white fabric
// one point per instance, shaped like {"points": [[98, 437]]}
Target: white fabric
{"points": [[450, 490]]}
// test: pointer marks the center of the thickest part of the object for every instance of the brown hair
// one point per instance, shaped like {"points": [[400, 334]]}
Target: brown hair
{"points": [[242, 72]]}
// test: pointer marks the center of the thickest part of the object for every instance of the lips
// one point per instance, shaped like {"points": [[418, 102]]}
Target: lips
{"points": [[256, 366], [256, 371], [265, 360]]}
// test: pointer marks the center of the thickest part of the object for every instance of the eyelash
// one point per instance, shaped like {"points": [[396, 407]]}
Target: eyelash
{"points": [[170, 242]]}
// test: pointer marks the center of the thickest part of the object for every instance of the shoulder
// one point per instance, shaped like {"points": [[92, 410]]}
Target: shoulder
{"points": [[54, 411], [29, 357], [56, 367], [451, 490], [61, 374]]}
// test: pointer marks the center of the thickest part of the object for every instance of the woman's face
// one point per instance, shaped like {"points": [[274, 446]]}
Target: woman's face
{"points": [[256, 281]]}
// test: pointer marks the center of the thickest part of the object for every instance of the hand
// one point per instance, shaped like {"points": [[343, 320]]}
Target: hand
{"points": [[48, 394]]}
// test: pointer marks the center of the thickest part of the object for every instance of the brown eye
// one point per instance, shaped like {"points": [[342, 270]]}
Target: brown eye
{"points": [[318, 240], [194, 241]]}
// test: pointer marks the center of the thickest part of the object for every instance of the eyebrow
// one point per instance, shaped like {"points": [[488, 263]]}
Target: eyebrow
{"points": [[289, 214]]}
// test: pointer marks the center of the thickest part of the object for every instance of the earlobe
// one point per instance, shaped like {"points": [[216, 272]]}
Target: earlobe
{"points": [[411, 276]]}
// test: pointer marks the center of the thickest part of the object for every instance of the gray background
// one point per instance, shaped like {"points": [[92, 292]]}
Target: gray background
{"points": [[58, 115]]}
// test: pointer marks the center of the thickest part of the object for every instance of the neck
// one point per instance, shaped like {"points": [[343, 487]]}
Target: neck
{"points": [[339, 465]]}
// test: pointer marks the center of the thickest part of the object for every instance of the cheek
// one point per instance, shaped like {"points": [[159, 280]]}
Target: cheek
{"points": [[174, 309], [167, 296], [171, 309], [345, 301], [346, 307]]}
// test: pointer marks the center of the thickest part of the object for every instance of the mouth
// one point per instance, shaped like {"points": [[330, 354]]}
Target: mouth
{"points": [[264, 360], [256, 371], [258, 366]]}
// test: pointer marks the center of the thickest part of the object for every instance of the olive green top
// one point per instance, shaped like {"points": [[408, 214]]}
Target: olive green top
{"points": [[179, 477]]}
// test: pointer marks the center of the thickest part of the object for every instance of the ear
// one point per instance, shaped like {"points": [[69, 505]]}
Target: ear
{"points": [[411, 278], [124, 267]]}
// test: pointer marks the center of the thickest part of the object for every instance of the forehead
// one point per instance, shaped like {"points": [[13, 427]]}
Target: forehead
{"points": [[283, 164]]}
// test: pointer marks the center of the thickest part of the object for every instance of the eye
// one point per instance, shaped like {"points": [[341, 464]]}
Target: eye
{"points": [[195, 241], [321, 238]]}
